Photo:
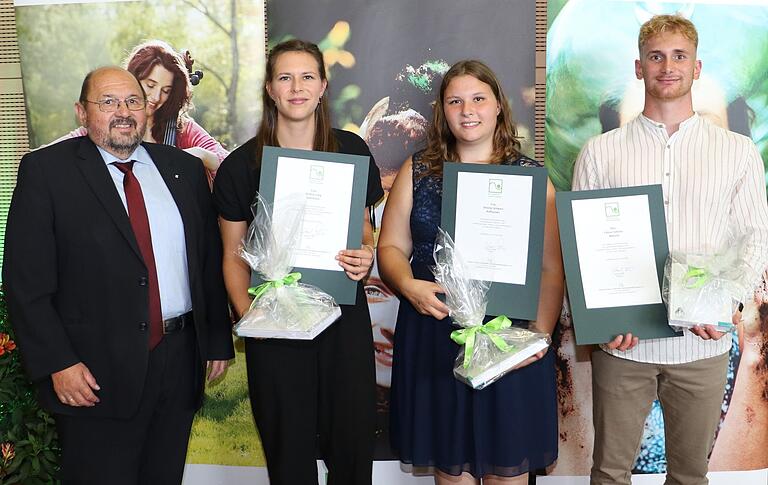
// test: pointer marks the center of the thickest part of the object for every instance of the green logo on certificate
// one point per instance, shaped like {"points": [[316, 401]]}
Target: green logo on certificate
{"points": [[495, 186], [316, 172], [612, 210]]}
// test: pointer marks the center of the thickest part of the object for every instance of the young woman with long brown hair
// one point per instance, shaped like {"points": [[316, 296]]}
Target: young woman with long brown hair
{"points": [[317, 394], [501, 433]]}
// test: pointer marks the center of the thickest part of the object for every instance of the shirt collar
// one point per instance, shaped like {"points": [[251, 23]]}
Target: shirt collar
{"points": [[661, 126], [140, 155]]}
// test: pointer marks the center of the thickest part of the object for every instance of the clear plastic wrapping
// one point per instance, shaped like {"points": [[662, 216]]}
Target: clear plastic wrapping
{"points": [[489, 350], [705, 289], [282, 306]]}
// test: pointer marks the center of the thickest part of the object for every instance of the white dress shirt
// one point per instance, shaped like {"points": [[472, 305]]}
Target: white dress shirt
{"points": [[711, 178], [166, 227]]}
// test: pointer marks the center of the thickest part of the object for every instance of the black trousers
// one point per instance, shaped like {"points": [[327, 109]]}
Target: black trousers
{"points": [[151, 447], [317, 395]]}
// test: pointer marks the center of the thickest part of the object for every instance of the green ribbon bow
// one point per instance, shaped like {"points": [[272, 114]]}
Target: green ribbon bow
{"points": [[696, 277], [466, 336], [291, 279]]}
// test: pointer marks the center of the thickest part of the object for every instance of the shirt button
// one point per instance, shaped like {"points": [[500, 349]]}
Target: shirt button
{"points": [[667, 174], [142, 326], [667, 147], [666, 202], [143, 281]]}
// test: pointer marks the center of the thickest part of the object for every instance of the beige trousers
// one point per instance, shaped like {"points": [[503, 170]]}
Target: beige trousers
{"points": [[623, 391]]}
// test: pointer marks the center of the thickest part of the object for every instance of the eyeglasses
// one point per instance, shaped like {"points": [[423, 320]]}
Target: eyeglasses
{"points": [[110, 105]]}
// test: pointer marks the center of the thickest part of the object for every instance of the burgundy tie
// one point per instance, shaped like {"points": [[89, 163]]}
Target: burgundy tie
{"points": [[137, 213]]}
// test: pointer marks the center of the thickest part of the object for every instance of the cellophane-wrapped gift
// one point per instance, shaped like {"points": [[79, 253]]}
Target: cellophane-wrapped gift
{"points": [[490, 350], [282, 306], [706, 288]]}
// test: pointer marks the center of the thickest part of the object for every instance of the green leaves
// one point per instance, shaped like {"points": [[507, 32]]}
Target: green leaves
{"points": [[30, 452]]}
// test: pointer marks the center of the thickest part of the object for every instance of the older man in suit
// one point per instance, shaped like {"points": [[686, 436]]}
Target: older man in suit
{"points": [[112, 273]]}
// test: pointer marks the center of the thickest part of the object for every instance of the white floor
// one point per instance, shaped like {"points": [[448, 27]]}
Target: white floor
{"points": [[389, 473], [756, 477]]}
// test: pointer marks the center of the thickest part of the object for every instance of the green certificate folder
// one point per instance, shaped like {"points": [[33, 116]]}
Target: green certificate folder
{"points": [[495, 214], [334, 185], [614, 244]]}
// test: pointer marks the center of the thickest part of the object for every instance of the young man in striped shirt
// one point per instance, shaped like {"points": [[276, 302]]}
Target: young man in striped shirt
{"points": [[712, 179]]}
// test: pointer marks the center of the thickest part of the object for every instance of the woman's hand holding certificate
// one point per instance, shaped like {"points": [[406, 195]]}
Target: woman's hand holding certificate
{"points": [[356, 262]]}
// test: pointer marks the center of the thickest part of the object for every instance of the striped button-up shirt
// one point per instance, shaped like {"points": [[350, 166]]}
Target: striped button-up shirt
{"points": [[712, 178]]}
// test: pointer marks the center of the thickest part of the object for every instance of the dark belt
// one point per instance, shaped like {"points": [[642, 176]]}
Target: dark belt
{"points": [[177, 324]]}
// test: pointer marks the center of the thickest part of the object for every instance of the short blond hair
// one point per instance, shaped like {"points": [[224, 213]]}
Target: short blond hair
{"points": [[659, 24]]}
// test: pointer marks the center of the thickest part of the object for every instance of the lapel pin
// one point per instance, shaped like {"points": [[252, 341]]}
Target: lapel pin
{"points": [[175, 175]]}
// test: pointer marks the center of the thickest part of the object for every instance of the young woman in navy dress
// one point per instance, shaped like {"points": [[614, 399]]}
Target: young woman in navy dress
{"points": [[503, 432]]}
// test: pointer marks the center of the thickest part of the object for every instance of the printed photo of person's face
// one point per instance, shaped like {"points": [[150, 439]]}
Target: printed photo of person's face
{"points": [[392, 137], [383, 305]]}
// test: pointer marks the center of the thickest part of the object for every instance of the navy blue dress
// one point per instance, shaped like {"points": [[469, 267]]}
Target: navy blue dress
{"points": [[506, 429]]}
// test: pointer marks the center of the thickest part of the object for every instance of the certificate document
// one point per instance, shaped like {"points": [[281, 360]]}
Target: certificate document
{"points": [[492, 225], [330, 190], [614, 244], [495, 214], [326, 189], [616, 253]]}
